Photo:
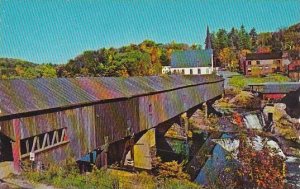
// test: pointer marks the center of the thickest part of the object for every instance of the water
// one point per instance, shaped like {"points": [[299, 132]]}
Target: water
{"points": [[214, 165], [293, 172], [253, 122]]}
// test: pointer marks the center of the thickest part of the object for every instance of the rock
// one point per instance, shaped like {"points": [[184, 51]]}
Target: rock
{"points": [[4, 186]]}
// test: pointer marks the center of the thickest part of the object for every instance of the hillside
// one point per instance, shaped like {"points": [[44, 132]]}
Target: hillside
{"points": [[148, 57], [141, 59], [295, 27], [15, 68]]}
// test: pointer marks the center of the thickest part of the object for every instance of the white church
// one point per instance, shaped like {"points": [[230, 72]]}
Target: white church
{"points": [[192, 62]]}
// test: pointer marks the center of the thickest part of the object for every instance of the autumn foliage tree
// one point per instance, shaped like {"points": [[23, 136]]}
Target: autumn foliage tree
{"points": [[228, 58], [260, 168], [263, 49]]}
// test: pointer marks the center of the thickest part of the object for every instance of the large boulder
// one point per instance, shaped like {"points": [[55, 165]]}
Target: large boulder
{"points": [[4, 186]]}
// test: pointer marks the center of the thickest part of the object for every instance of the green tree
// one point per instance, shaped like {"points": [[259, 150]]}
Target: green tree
{"points": [[221, 39], [233, 39], [244, 39], [46, 70], [264, 39], [253, 38]]}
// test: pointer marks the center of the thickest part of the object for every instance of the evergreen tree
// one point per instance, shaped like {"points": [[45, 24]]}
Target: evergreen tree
{"points": [[244, 38], [233, 38], [221, 39], [253, 37]]}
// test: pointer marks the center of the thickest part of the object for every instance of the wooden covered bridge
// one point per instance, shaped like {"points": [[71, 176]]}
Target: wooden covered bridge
{"points": [[108, 118]]}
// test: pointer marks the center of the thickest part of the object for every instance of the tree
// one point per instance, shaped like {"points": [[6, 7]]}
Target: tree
{"points": [[221, 39], [164, 59], [277, 41], [259, 168], [228, 58], [244, 39], [196, 46], [263, 39], [233, 37], [263, 49], [136, 63], [46, 70], [243, 53], [253, 37]]}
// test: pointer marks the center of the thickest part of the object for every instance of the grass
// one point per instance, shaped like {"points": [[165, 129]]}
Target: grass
{"points": [[68, 176], [242, 81]]}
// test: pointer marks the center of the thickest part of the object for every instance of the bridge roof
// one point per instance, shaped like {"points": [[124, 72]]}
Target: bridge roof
{"points": [[277, 88], [32, 95]]}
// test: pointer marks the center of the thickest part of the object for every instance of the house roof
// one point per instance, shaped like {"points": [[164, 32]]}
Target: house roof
{"points": [[277, 88], [294, 65], [32, 95], [263, 56], [191, 58]]}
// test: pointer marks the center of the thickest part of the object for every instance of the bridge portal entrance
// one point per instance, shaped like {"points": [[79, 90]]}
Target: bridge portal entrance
{"points": [[5, 148]]}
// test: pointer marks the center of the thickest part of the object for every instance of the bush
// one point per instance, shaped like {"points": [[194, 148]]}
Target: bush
{"points": [[172, 170], [180, 184], [260, 168], [68, 176]]}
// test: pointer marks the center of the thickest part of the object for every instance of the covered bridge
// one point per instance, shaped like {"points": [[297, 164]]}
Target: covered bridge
{"points": [[58, 118]]}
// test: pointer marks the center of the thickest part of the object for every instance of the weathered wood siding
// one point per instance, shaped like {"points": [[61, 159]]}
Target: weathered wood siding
{"points": [[79, 124], [113, 119], [157, 108]]}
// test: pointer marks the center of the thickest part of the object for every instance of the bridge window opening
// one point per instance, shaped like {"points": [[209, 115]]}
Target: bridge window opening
{"points": [[199, 71], [191, 71], [43, 142]]}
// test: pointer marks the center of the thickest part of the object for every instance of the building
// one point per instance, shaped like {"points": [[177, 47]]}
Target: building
{"points": [[294, 70], [264, 63], [274, 91], [192, 62]]}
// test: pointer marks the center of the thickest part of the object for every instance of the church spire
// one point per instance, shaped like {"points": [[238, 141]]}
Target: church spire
{"points": [[208, 39]]}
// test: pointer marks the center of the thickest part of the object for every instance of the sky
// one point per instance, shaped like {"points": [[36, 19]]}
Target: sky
{"points": [[55, 31]]}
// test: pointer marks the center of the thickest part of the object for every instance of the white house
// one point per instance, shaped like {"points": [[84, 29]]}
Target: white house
{"points": [[191, 62]]}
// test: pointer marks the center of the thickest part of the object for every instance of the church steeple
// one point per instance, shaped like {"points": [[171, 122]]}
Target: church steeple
{"points": [[208, 39]]}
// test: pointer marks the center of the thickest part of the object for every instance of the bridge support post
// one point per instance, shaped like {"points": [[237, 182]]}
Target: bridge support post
{"points": [[184, 122], [205, 110], [145, 150]]}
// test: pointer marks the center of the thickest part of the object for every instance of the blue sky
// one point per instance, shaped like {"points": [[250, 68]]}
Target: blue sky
{"points": [[58, 30]]}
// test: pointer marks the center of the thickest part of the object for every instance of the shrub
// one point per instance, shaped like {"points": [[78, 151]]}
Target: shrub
{"points": [[172, 170], [260, 168], [68, 176]]}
